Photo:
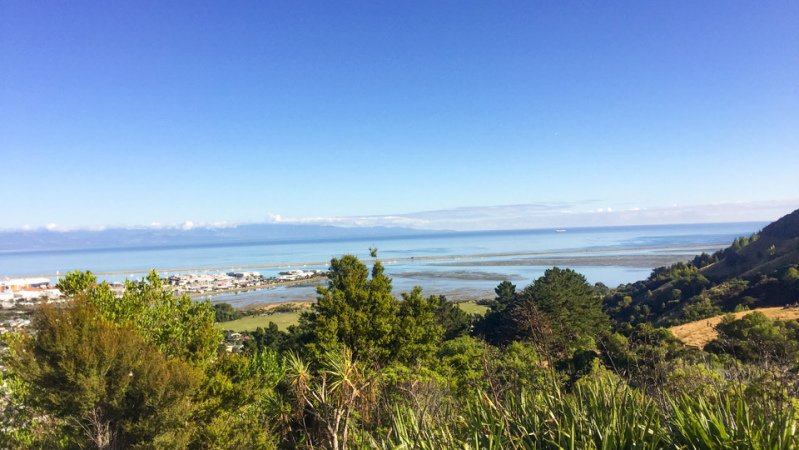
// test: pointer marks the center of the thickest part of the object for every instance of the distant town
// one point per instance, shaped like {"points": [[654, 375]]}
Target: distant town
{"points": [[27, 292], [214, 283]]}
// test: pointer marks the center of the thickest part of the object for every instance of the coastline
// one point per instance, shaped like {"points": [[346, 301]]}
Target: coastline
{"points": [[461, 289], [256, 288], [412, 258]]}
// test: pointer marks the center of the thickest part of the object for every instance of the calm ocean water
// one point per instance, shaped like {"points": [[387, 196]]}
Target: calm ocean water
{"points": [[462, 281]]}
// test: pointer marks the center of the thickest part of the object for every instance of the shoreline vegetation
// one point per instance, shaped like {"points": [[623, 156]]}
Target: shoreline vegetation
{"points": [[412, 258]]}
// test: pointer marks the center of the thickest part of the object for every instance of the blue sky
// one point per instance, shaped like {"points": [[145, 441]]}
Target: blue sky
{"points": [[428, 114]]}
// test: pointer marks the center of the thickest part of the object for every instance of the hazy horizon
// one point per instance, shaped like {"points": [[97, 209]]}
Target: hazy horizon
{"points": [[491, 218]]}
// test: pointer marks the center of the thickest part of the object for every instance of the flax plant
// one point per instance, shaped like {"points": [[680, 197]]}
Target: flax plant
{"points": [[412, 429], [731, 423], [601, 413], [330, 397]]}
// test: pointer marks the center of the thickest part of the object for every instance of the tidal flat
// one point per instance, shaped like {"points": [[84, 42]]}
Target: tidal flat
{"points": [[633, 260], [457, 275]]}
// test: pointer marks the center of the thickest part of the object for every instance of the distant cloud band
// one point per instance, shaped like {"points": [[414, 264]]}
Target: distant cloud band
{"points": [[543, 215], [506, 217]]}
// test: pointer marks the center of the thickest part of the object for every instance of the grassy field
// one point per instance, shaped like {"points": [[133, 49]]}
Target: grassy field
{"points": [[699, 333], [284, 320], [473, 308]]}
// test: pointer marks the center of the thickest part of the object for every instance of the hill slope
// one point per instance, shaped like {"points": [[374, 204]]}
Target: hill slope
{"points": [[699, 333], [759, 271], [777, 246]]}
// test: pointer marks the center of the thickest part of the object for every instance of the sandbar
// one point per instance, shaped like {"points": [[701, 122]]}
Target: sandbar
{"points": [[635, 261]]}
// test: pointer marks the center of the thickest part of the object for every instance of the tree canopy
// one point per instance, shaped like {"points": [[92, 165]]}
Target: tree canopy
{"points": [[560, 310], [117, 372], [360, 313], [103, 380]]}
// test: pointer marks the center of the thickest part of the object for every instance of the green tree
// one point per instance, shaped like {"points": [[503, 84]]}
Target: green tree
{"points": [[791, 275], [75, 283], [497, 326], [353, 311], [454, 321], [237, 406], [506, 295], [461, 362], [758, 339], [359, 313], [178, 327], [225, 312], [700, 309], [111, 371], [560, 311], [269, 338], [100, 383], [417, 333]]}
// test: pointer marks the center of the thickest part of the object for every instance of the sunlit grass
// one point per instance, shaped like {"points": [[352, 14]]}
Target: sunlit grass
{"points": [[472, 308], [282, 320], [699, 333], [285, 320]]}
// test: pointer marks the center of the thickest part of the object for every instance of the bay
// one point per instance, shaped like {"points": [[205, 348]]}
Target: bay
{"points": [[473, 276]]}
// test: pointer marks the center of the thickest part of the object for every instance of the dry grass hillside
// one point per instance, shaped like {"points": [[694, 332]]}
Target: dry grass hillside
{"points": [[699, 333]]}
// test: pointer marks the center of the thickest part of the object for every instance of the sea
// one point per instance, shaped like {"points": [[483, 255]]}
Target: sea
{"points": [[467, 265]]}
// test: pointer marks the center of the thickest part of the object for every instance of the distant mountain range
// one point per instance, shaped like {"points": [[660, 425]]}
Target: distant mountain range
{"points": [[44, 240]]}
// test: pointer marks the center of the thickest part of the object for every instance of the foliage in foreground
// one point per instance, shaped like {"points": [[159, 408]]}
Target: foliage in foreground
{"points": [[140, 371], [364, 370], [601, 412]]}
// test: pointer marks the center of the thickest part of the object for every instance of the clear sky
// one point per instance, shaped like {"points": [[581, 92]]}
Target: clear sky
{"points": [[445, 114]]}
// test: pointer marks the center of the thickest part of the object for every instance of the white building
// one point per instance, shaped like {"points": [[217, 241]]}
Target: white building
{"points": [[293, 275], [6, 294], [25, 282], [6, 298], [239, 274]]}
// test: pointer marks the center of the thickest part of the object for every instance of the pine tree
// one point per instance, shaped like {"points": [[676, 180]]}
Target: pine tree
{"points": [[560, 310]]}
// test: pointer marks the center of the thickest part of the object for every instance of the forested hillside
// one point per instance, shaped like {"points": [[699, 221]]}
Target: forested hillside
{"points": [[761, 270]]}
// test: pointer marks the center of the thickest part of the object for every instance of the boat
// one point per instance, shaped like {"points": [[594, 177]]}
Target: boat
{"points": [[561, 231]]}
